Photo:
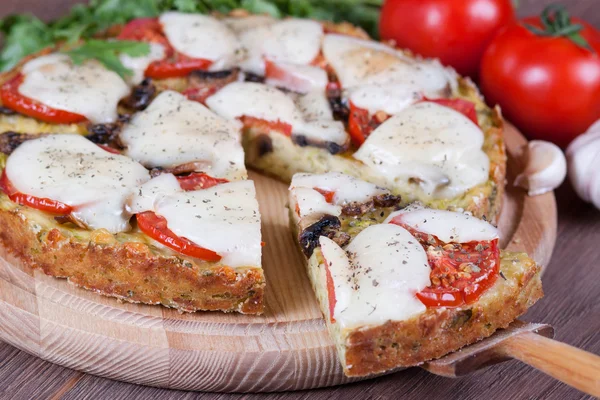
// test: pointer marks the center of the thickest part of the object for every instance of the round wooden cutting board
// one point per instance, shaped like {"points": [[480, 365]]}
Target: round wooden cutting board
{"points": [[286, 349]]}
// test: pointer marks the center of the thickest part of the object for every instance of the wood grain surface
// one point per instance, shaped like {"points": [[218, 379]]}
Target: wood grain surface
{"points": [[570, 304]]}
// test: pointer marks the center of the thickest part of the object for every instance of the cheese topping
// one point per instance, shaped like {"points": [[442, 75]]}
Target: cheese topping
{"points": [[256, 100], [293, 41], [347, 189], [298, 78], [241, 24], [138, 65], [310, 202], [430, 144], [448, 226], [359, 62], [377, 276], [72, 170], [88, 89], [223, 218], [201, 36], [174, 130]]}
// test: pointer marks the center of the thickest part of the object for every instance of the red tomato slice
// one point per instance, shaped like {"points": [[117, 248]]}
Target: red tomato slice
{"points": [[177, 66], [174, 64], [464, 107], [40, 203], [327, 194], [13, 99], [156, 227], [198, 180], [264, 125], [330, 290], [460, 273], [361, 124]]}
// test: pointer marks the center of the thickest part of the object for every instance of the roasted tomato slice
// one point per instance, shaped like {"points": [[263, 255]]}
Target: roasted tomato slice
{"points": [[174, 64], [40, 203], [156, 227], [13, 99], [265, 126], [460, 272], [361, 123], [464, 107], [330, 290], [198, 180], [108, 148]]}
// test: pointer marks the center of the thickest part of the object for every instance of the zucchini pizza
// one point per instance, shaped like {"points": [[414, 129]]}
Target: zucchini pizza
{"points": [[400, 285], [134, 185]]}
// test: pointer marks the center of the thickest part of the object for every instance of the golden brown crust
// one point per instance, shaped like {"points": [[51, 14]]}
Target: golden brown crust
{"points": [[438, 332], [130, 271]]}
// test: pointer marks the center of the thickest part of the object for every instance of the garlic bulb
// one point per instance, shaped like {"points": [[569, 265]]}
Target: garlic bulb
{"points": [[545, 170], [583, 156]]}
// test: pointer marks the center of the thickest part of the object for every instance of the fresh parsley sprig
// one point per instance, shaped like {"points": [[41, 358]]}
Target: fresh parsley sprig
{"points": [[25, 34], [107, 52]]}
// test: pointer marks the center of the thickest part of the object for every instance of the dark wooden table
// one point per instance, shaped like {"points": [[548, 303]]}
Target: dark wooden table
{"points": [[571, 304]]}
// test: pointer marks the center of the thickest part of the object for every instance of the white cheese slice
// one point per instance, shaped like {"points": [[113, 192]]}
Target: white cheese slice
{"points": [[432, 144], [348, 189], [310, 202], [377, 277], [224, 218], [174, 130], [448, 226], [393, 80], [241, 24], [314, 106], [298, 78], [88, 89], [138, 65], [261, 101], [72, 170], [201, 36], [294, 41], [256, 100]]}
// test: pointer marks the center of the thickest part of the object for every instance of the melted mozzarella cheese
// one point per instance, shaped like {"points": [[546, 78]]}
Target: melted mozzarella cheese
{"points": [[174, 130], [377, 276], [223, 218], [310, 202], [298, 78], [88, 89], [377, 77], [391, 98], [241, 24], [434, 145], [256, 100], [347, 189], [201, 36], [138, 65], [314, 106], [293, 41], [448, 226], [72, 170]]}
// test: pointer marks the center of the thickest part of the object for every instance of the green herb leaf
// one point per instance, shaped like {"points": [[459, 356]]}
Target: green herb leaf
{"points": [[107, 52], [24, 35]]}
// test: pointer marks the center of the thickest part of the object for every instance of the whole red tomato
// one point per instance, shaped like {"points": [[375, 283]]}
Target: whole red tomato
{"points": [[455, 31], [545, 74]]}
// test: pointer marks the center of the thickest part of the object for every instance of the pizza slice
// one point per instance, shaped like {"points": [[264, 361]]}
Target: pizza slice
{"points": [[168, 219], [400, 286]]}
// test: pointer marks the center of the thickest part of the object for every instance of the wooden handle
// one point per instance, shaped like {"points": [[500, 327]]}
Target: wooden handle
{"points": [[561, 361]]}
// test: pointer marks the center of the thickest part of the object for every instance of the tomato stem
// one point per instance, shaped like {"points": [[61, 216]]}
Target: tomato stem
{"points": [[557, 23]]}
